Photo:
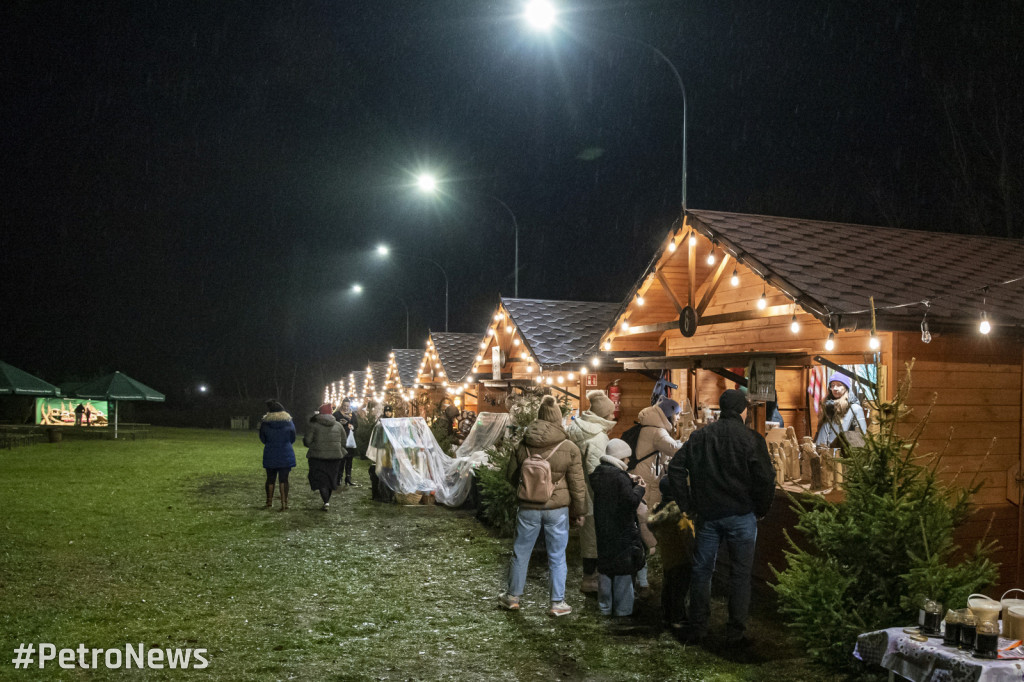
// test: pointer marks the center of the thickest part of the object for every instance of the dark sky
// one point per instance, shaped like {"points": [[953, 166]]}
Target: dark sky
{"points": [[189, 188]]}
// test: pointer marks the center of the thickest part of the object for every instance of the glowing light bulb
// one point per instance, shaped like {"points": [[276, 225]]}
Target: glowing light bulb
{"points": [[596, 362], [607, 345], [549, 381], [497, 317], [873, 342], [515, 342], [571, 376], [483, 344], [529, 369], [508, 329], [625, 326], [560, 379], [794, 326], [693, 238], [539, 379], [583, 371], [479, 358], [984, 327], [735, 279], [711, 257], [762, 302], [672, 246], [831, 342], [640, 300]]}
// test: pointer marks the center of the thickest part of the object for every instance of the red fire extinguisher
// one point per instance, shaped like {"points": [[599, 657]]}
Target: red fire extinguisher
{"points": [[615, 395]]}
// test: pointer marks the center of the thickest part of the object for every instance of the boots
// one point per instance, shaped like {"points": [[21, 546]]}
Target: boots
{"points": [[589, 584], [270, 495], [284, 497]]}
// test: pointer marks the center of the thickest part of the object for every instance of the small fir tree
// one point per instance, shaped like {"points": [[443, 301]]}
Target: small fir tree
{"points": [[866, 562]]}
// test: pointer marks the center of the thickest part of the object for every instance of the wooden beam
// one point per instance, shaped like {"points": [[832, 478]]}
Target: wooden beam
{"points": [[712, 285], [668, 291], [788, 359], [656, 327], [741, 315], [691, 268]]}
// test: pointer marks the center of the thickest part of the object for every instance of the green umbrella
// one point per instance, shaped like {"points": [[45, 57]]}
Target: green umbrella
{"points": [[117, 387], [13, 381]]}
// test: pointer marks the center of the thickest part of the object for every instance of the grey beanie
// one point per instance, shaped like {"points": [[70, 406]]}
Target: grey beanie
{"points": [[618, 448], [601, 404], [549, 410], [669, 407]]}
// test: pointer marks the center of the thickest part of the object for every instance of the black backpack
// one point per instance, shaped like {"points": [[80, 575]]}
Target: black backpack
{"points": [[632, 436]]}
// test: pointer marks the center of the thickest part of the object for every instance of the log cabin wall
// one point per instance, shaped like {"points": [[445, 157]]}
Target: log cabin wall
{"points": [[635, 394], [977, 383]]}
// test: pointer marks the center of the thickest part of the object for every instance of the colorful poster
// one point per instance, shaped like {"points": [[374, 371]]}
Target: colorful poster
{"points": [[71, 412]]}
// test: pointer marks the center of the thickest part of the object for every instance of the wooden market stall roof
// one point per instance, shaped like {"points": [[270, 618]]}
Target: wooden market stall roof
{"points": [[830, 271], [402, 367], [448, 357], [376, 377], [559, 333], [357, 384]]}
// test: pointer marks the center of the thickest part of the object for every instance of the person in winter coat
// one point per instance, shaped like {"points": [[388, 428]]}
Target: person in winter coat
{"points": [[654, 448], [620, 552], [723, 478], [545, 439], [674, 531], [840, 411], [590, 433], [277, 433], [325, 438], [350, 420]]}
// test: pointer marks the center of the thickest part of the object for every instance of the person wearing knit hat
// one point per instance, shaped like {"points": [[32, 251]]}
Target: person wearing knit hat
{"points": [[325, 438], [840, 411], [723, 478], [350, 421], [549, 410], [554, 471], [277, 433], [620, 551], [590, 432]]}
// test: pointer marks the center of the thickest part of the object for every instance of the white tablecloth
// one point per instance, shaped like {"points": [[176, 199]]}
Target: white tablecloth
{"points": [[931, 661]]}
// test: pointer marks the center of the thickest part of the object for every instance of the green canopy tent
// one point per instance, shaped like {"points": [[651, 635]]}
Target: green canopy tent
{"points": [[117, 387], [13, 381]]}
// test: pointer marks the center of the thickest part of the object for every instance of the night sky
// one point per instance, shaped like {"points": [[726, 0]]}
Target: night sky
{"points": [[190, 188]]}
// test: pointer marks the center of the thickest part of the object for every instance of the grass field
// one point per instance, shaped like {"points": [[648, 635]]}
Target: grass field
{"points": [[165, 542]]}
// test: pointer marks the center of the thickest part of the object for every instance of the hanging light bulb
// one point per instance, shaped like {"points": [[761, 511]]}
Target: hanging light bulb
{"points": [[515, 341], [549, 381], [693, 238], [479, 358], [640, 300], [873, 342], [762, 302], [571, 376], [830, 343], [672, 246], [608, 345], [539, 379], [735, 279], [508, 329], [483, 344], [794, 326], [529, 368], [560, 379], [711, 256], [583, 371], [625, 326], [984, 327], [497, 317], [596, 362]]}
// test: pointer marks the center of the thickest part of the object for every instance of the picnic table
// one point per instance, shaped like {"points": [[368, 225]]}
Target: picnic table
{"points": [[931, 661]]}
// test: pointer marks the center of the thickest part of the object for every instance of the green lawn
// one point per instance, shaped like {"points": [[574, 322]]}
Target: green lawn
{"points": [[165, 542]]}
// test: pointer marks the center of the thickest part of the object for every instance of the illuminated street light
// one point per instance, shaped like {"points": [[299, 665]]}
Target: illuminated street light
{"points": [[541, 16], [383, 250], [427, 183]]}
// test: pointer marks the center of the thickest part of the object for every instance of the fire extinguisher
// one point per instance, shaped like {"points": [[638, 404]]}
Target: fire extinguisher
{"points": [[615, 395]]}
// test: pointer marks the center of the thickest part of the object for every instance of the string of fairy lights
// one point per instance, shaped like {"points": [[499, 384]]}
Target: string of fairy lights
{"points": [[502, 334]]}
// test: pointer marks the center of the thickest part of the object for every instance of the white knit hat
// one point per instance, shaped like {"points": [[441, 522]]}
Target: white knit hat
{"points": [[618, 448]]}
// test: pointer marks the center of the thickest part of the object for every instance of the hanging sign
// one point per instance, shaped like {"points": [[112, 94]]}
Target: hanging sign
{"points": [[761, 380], [496, 362]]}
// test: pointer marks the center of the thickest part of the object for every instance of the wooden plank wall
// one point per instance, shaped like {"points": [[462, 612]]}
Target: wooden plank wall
{"points": [[976, 383], [636, 395]]}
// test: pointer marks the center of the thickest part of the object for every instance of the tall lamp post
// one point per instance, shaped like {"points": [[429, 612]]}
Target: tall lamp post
{"points": [[358, 289], [541, 15], [427, 183], [384, 251]]}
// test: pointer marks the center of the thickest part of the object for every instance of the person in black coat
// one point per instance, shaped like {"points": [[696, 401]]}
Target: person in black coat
{"points": [[350, 420], [620, 551], [723, 478]]}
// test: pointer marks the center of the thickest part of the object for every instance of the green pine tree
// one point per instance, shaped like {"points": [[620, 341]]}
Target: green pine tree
{"points": [[866, 562]]}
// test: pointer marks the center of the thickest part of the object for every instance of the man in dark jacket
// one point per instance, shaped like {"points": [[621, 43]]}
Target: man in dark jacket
{"points": [[723, 477]]}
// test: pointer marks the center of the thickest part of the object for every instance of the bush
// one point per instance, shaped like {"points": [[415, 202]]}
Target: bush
{"points": [[868, 561]]}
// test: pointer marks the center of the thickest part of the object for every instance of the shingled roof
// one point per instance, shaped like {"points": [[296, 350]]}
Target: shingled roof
{"points": [[560, 332], [834, 268], [379, 371], [408, 361], [355, 387], [456, 352]]}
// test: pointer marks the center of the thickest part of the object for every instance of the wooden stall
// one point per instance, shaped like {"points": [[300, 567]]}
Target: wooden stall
{"points": [[444, 369], [554, 344], [729, 293], [400, 381], [375, 380]]}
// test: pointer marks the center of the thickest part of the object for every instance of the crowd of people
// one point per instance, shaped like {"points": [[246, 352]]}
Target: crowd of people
{"points": [[685, 497], [629, 500]]}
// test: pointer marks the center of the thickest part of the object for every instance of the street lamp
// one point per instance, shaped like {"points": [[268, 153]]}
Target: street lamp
{"points": [[427, 183], [541, 16], [384, 251], [358, 289]]}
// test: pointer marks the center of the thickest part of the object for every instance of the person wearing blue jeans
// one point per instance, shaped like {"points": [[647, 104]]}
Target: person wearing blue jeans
{"points": [[529, 523], [724, 479], [548, 475]]}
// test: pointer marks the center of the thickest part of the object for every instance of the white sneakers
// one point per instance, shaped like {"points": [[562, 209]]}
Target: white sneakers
{"points": [[559, 609], [507, 601]]}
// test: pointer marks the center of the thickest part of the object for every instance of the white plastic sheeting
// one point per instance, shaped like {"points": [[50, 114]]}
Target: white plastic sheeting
{"points": [[409, 459]]}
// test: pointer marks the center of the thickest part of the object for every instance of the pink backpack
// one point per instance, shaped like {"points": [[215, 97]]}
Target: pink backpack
{"points": [[535, 484]]}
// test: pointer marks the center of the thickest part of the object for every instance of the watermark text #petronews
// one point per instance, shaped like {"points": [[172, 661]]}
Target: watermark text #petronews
{"points": [[131, 656]]}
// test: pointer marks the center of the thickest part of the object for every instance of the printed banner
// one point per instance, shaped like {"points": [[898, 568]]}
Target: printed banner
{"points": [[71, 412]]}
